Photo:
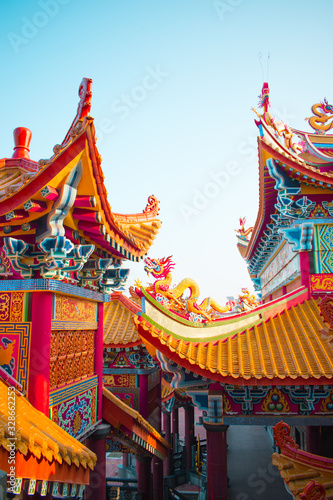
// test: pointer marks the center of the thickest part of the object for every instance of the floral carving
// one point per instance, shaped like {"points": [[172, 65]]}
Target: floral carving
{"points": [[313, 491]]}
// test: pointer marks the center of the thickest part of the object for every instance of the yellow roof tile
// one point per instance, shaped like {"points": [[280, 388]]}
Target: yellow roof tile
{"points": [[286, 345], [119, 329], [302, 471], [36, 433]]}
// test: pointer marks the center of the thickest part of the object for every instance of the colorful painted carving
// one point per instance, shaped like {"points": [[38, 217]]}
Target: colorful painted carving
{"points": [[282, 435], [161, 270], [321, 122], [242, 232], [246, 301], [326, 310], [281, 131]]}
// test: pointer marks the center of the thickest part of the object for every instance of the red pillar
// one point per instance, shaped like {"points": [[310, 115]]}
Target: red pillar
{"points": [[96, 443], [189, 434], [39, 368], [175, 428], [143, 470], [143, 404], [314, 439], [99, 358], [167, 437], [217, 478], [157, 478], [305, 270]]}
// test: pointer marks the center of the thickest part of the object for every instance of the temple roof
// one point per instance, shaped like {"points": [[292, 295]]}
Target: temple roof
{"points": [[119, 329], [30, 192], [287, 158], [131, 429], [37, 437], [279, 340], [307, 475]]}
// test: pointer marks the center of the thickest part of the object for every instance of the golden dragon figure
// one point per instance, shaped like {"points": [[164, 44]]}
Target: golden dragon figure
{"points": [[161, 270], [318, 122]]}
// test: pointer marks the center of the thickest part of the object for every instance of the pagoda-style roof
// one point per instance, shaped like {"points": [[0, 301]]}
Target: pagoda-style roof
{"points": [[293, 165], [279, 340], [119, 329], [307, 476], [131, 429], [44, 451], [65, 197]]}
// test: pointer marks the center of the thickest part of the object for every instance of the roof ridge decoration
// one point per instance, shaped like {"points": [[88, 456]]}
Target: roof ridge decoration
{"points": [[276, 132], [84, 107], [148, 213], [319, 121], [172, 298]]}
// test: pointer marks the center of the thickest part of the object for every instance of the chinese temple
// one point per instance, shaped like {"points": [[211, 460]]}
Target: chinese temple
{"points": [[62, 253], [273, 360], [85, 369]]}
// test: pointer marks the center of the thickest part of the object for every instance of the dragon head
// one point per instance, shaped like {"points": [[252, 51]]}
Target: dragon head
{"points": [[159, 268], [327, 108]]}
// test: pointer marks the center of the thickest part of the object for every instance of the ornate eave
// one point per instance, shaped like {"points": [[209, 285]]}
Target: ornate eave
{"points": [[131, 429], [273, 342], [43, 450], [55, 218]]}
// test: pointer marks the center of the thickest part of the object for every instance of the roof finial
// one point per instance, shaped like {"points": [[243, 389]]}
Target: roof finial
{"points": [[22, 138]]}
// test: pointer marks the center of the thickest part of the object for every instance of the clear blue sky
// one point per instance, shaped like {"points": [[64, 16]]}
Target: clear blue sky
{"points": [[173, 84]]}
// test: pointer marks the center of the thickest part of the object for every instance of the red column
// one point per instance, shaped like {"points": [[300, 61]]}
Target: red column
{"points": [[96, 443], [157, 478], [305, 269], [143, 470], [314, 439], [143, 404], [99, 358], [40, 343], [217, 478], [189, 434], [175, 428], [167, 437]]}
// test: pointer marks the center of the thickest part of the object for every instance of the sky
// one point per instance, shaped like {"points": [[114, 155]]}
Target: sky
{"points": [[173, 87]]}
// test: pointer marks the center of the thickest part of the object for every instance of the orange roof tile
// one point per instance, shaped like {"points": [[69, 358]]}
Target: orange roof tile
{"points": [[120, 415], [302, 471], [37, 434], [119, 329], [286, 346]]}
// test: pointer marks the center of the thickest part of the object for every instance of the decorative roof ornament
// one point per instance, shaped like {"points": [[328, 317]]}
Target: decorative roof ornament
{"points": [[282, 435], [172, 298], [242, 232], [84, 106], [313, 491], [153, 206], [323, 120], [246, 301], [279, 130]]}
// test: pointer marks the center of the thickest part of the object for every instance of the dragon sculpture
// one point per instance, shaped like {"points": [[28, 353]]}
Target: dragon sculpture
{"points": [[318, 122], [161, 270], [246, 301]]}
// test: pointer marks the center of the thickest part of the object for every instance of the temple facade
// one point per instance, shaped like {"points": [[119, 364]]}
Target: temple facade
{"points": [[85, 369], [62, 253]]}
